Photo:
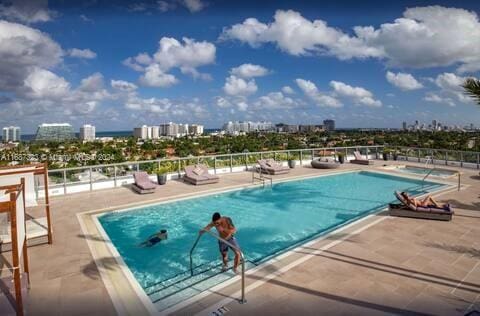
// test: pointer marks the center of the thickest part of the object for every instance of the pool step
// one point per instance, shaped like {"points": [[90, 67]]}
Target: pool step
{"points": [[183, 285]]}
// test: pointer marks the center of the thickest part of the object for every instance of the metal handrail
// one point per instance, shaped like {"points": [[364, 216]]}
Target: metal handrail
{"points": [[242, 257], [261, 176]]}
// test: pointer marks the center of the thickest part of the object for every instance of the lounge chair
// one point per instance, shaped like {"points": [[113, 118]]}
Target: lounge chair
{"points": [[405, 209], [325, 163], [198, 174], [360, 160], [272, 167], [143, 184]]}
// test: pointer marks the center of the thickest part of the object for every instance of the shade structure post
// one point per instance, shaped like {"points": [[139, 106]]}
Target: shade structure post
{"points": [[47, 204]]}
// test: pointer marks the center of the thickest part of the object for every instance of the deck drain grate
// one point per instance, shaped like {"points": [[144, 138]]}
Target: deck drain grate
{"points": [[221, 311]]}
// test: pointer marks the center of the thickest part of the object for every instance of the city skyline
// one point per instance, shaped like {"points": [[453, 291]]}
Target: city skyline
{"points": [[212, 66]]}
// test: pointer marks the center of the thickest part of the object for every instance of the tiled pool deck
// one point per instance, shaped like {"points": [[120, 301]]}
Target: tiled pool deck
{"points": [[381, 265]]}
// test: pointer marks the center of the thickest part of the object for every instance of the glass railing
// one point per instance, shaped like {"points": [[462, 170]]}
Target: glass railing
{"points": [[70, 180]]}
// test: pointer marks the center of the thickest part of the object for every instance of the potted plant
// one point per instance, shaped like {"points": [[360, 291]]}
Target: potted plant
{"points": [[395, 155], [341, 157], [386, 152], [162, 175], [291, 163]]}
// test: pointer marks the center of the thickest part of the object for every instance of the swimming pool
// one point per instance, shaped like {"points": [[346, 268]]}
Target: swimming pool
{"points": [[441, 173], [269, 221]]}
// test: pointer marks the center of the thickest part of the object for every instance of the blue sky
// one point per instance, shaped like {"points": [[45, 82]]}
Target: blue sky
{"points": [[123, 64]]}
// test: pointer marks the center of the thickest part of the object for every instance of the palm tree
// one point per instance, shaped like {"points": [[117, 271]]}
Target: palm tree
{"points": [[472, 88]]}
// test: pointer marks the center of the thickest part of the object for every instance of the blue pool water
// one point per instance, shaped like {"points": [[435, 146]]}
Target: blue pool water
{"points": [[268, 220]]}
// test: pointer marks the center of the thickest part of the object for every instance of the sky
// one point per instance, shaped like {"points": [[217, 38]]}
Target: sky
{"points": [[121, 64]]}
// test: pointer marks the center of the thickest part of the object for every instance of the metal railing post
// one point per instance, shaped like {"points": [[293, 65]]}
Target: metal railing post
{"points": [[115, 176], [461, 159], [246, 163], [301, 157], [446, 158], [231, 163], [91, 183], [478, 160], [418, 155], [215, 165], [64, 182], [179, 168]]}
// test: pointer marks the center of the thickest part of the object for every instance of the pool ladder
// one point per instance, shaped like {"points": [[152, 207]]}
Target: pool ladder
{"points": [[428, 159], [242, 300], [257, 174]]}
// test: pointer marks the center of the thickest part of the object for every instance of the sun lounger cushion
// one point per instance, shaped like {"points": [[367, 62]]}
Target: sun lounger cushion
{"points": [[198, 171]]}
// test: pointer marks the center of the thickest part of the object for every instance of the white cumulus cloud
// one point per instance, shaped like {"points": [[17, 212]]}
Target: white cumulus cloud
{"points": [[239, 86], [22, 50], [403, 81], [155, 77], [249, 71], [358, 95], [431, 36], [26, 11], [82, 53], [275, 100], [312, 92], [186, 56], [194, 5], [288, 90], [296, 35], [123, 85]]}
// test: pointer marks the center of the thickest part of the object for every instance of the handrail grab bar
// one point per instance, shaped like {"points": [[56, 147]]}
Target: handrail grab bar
{"points": [[242, 257]]}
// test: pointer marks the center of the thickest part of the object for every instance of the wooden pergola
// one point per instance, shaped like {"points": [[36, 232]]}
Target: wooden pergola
{"points": [[32, 170], [15, 208]]}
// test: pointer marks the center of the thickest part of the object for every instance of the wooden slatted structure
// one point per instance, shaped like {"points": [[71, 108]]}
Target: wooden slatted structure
{"points": [[15, 207], [34, 169]]}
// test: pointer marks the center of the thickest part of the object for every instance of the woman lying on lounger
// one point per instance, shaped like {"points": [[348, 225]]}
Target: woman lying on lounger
{"points": [[428, 201]]}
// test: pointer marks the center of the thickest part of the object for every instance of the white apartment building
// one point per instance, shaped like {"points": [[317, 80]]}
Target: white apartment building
{"points": [[141, 132], [146, 132], [195, 129], [11, 134], [169, 129], [238, 127], [87, 132], [182, 129]]}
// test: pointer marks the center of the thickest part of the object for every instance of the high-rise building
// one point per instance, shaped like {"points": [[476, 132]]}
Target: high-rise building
{"points": [[404, 126], [141, 132], [11, 134], [155, 132], [182, 129], [329, 125], [55, 132], [146, 132], [237, 127], [87, 132], [195, 129], [169, 129], [434, 125]]}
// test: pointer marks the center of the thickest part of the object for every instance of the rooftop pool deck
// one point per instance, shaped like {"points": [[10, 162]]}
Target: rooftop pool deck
{"points": [[376, 265]]}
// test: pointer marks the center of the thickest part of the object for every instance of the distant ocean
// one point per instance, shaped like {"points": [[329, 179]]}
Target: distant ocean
{"points": [[28, 137]]}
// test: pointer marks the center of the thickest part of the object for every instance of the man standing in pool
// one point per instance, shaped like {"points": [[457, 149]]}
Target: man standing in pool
{"points": [[226, 230]]}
